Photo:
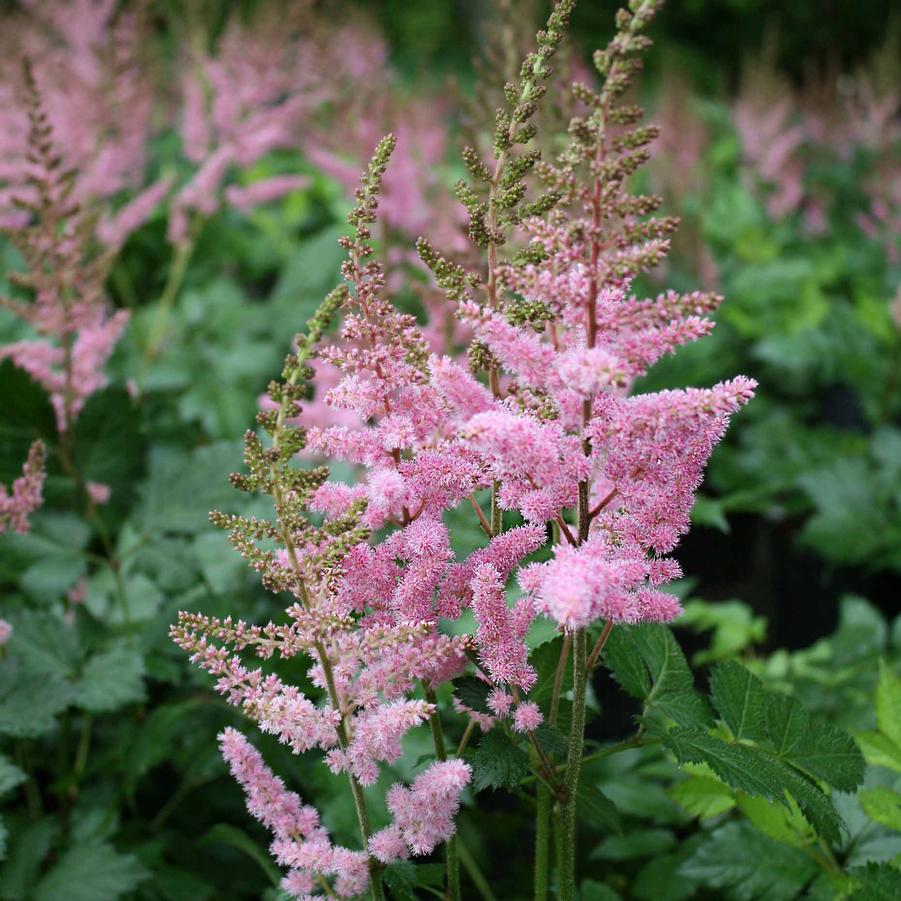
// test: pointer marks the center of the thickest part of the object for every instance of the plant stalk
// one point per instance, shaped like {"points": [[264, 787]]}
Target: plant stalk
{"points": [[567, 876]]}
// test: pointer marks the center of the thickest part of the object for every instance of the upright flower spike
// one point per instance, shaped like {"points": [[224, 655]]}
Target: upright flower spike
{"points": [[65, 276]]}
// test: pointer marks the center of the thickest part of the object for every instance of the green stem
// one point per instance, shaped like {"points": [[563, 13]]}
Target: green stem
{"points": [[167, 299], [475, 874], [567, 875], [497, 515], [450, 846], [84, 747], [542, 841]]}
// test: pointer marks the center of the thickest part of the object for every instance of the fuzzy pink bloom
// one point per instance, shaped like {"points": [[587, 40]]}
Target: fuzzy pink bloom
{"points": [[268, 800], [501, 630], [301, 842], [424, 812], [6, 630], [377, 736], [18, 504], [527, 717]]}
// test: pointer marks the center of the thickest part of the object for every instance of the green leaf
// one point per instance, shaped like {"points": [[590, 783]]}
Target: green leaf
{"points": [[739, 696], [25, 415], [29, 702], [30, 845], [10, 775], [745, 865], [888, 703], [473, 693], [648, 663], [702, 796], [181, 489], [403, 878], [876, 882], [755, 771], [592, 890], [93, 871], [816, 747], [552, 741], [882, 805], [111, 679], [624, 660], [734, 628], [638, 843], [224, 834], [880, 750], [498, 762], [781, 822], [107, 439], [596, 809]]}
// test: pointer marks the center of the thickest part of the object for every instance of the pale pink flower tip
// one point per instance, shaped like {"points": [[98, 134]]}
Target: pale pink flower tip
{"points": [[527, 717], [6, 630], [98, 492]]}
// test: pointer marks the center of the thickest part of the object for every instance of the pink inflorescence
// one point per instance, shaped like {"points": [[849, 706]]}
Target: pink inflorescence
{"points": [[17, 504]]}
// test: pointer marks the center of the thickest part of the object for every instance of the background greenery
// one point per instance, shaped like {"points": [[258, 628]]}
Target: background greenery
{"points": [[111, 778]]}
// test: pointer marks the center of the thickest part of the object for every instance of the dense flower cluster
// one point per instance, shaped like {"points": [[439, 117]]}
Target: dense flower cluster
{"points": [[540, 422]]}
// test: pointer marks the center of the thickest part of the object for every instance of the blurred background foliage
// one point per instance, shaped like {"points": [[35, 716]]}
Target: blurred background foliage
{"points": [[780, 151]]}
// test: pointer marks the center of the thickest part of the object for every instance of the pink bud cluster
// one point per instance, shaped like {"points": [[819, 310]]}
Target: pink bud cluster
{"points": [[24, 497]]}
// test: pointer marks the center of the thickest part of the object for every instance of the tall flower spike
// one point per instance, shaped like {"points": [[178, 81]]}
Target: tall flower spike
{"points": [[65, 276]]}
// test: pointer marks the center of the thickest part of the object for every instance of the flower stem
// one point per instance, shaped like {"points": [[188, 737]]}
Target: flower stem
{"points": [[567, 876], [450, 846]]}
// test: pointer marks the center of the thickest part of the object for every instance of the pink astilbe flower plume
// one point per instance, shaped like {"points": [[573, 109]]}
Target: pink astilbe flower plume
{"points": [[24, 496], [534, 435], [65, 276], [423, 813]]}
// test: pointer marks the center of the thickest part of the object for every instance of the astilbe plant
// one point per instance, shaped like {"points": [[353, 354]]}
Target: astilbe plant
{"points": [[595, 481], [66, 268]]}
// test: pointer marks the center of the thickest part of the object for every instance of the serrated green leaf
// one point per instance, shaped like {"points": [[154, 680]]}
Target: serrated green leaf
{"points": [[29, 702], [91, 872], [624, 660], [781, 822], [224, 834], [739, 696], [10, 775], [745, 865], [111, 679], [552, 741], [473, 693], [888, 703], [29, 846], [637, 843], [498, 762], [594, 808], [107, 439], [880, 750], [816, 747], [702, 796], [757, 772], [882, 805], [876, 882]]}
